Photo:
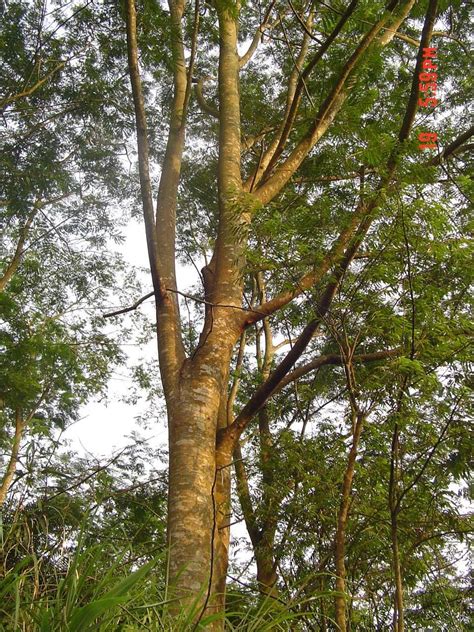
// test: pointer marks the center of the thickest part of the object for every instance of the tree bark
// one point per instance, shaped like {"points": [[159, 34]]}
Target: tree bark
{"points": [[199, 483], [343, 515], [11, 467], [266, 568], [394, 506], [199, 486]]}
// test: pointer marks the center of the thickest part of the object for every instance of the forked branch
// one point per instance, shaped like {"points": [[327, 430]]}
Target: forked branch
{"points": [[352, 241], [327, 111]]}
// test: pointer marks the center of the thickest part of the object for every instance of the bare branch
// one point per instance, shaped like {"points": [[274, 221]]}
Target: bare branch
{"points": [[210, 304], [203, 104], [124, 310], [257, 38], [250, 141], [336, 360]]}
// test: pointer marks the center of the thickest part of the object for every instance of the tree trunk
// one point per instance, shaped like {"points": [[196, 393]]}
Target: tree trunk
{"points": [[199, 483], [11, 467], [266, 571], [398, 618], [340, 601], [195, 387], [222, 513], [394, 506], [265, 547]]}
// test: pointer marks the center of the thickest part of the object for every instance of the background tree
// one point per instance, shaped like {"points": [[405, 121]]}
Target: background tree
{"points": [[61, 174]]}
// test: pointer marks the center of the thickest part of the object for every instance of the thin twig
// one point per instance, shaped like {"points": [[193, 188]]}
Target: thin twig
{"points": [[124, 310]]}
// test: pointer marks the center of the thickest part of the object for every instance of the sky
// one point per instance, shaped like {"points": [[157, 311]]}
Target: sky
{"points": [[105, 425]]}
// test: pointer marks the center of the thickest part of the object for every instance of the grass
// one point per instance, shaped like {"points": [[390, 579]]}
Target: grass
{"points": [[104, 587]]}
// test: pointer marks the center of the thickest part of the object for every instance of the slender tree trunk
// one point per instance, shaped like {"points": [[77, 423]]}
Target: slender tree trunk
{"points": [[266, 568], [399, 619], [222, 516], [262, 535], [265, 547], [340, 601], [11, 467], [394, 505], [323, 621], [199, 484]]}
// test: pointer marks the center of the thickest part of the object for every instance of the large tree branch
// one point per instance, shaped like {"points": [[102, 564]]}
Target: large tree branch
{"points": [[163, 226], [143, 147], [295, 102], [329, 108], [336, 252], [295, 80], [335, 360], [453, 147], [171, 348], [365, 211], [249, 141], [257, 38], [266, 390], [236, 381], [391, 31], [354, 240], [412, 105], [21, 423], [203, 104], [415, 42], [242, 484], [29, 91], [13, 264]]}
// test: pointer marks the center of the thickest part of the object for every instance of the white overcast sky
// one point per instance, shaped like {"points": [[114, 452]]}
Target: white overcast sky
{"points": [[105, 425]]}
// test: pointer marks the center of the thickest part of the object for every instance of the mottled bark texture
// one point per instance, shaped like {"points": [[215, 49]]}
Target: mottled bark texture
{"points": [[7, 478]]}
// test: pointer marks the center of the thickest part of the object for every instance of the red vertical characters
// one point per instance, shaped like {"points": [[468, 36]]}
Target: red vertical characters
{"points": [[428, 86]]}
